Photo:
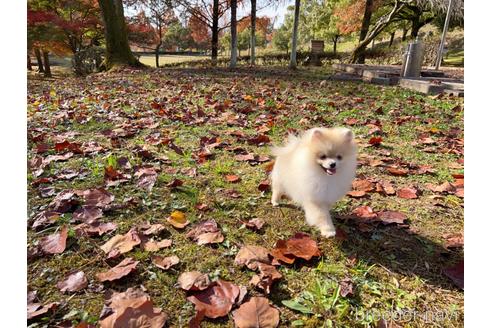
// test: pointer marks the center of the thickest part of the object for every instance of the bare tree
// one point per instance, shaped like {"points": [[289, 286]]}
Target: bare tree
{"points": [[293, 54]]}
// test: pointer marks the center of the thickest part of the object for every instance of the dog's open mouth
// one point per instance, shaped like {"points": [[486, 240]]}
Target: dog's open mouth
{"points": [[329, 171]]}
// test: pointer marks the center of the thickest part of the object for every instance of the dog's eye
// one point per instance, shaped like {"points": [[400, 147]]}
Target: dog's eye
{"points": [[322, 157], [339, 157]]}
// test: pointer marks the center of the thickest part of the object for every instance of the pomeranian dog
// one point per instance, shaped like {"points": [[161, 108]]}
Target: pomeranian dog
{"points": [[315, 170]]}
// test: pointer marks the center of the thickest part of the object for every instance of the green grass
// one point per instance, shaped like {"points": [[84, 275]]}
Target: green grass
{"points": [[393, 268]]}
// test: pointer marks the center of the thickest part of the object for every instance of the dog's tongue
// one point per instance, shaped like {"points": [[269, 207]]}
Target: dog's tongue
{"points": [[331, 171]]}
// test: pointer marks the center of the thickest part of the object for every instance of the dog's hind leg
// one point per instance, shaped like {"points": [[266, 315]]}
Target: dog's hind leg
{"points": [[276, 193]]}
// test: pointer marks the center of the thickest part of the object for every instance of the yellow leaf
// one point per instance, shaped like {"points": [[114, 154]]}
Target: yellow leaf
{"points": [[178, 220]]}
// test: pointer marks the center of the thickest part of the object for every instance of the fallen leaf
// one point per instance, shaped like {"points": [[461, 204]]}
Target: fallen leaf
{"points": [[375, 141], [37, 309], [44, 219], [206, 232], [54, 243], [96, 228], [454, 240], [298, 246], [251, 256], [397, 171], [73, 282], [232, 178], [388, 217], [385, 188], [120, 244], [362, 185], [356, 193], [407, 193], [264, 186], [257, 312], [178, 220], [193, 280], [346, 287], [165, 262], [456, 273], [268, 274], [124, 268], [364, 212], [254, 224], [132, 308], [154, 246], [152, 229], [217, 300], [175, 183], [97, 197], [87, 214], [64, 202], [147, 176]]}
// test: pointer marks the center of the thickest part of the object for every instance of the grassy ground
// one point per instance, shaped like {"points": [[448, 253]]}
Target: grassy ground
{"points": [[393, 268]]}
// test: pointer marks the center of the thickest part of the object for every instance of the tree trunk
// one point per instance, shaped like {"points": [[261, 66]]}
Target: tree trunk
{"points": [[366, 22], [335, 41], [157, 55], [37, 52], [253, 31], [46, 64], [29, 64], [115, 31], [293, 53], [414, 31], [233, 62], [215, 31], [392, 37], [404, 32]]}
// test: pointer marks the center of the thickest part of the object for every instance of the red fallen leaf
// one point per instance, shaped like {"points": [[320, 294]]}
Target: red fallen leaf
{"points": [[56, 158], [256, 312], [458, 176], [217, 300], [206, 232], [459, 183], [375, 141], [456, 273], [460, 193], [73, 282], [454, 240], [44, 219], [407, 193], [351, 121], [98, 197], [87, 214], [113, 177], [37, 309], [385, 188], [232, 193], [193, 280], [124, 268], [202, 207], [269, 166], [346, 287], [152, 229], [388, 217], [132, 308], [364, 212], [259, 140], [147, 176], [74, 147], [362, 185], [397, 171], [298, 246], [356, 193], [120, 244], [254, 224], [264, 185], [154, 246], [55, 243], [165, 263], [177, 149], [95, 229], [251, 256], [232, 178], [42, 148], [445, 187], [64, 201], [268, 275], [341, 234], [175, 183]]}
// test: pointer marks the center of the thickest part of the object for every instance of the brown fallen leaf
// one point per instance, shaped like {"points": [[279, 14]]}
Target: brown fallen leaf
{"points": [[362, 185], [44, 219], [232, 178], [217, 300], [132, 308], [364, 212], [385, 188], [73, 282], [388, 217], [87, 214], [193, 280], [37, 309], [175, 183], [147, 176], [97, 197], [454, 240], [64, 202], [257, 312], [95, 229], [356, 193], [298, 246], [151, 229], [250, 256], [346, 287], [54, 243], [154, 246], [397, 171], [268, 274], [165, 262], [407, 193], [178, 220], [124, 268], [254, 224], [120, 244], [264, 185], [456, 273], [206, 232]]}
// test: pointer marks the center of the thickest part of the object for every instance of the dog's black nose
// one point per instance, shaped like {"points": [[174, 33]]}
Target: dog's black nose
{"points": [[332, 165]]}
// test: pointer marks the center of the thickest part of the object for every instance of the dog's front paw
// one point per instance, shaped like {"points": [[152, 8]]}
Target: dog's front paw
{"points": [[275, 203], [328, 233]]}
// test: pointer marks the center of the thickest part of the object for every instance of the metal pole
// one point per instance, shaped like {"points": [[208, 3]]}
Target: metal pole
{"points": [[443, 37]]}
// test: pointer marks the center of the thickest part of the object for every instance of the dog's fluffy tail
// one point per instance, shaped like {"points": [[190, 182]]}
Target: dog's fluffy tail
{"points": [[290, 145]]}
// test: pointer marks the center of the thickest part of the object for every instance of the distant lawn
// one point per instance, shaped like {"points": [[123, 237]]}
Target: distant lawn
{"points": [[169, 59]]}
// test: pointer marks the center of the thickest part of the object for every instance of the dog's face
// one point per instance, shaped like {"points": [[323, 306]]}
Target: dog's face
{"points": [[330, 148]]}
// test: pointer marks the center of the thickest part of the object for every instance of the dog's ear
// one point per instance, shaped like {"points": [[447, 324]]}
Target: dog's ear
{"points": [[317, 134], [348, 135]]}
